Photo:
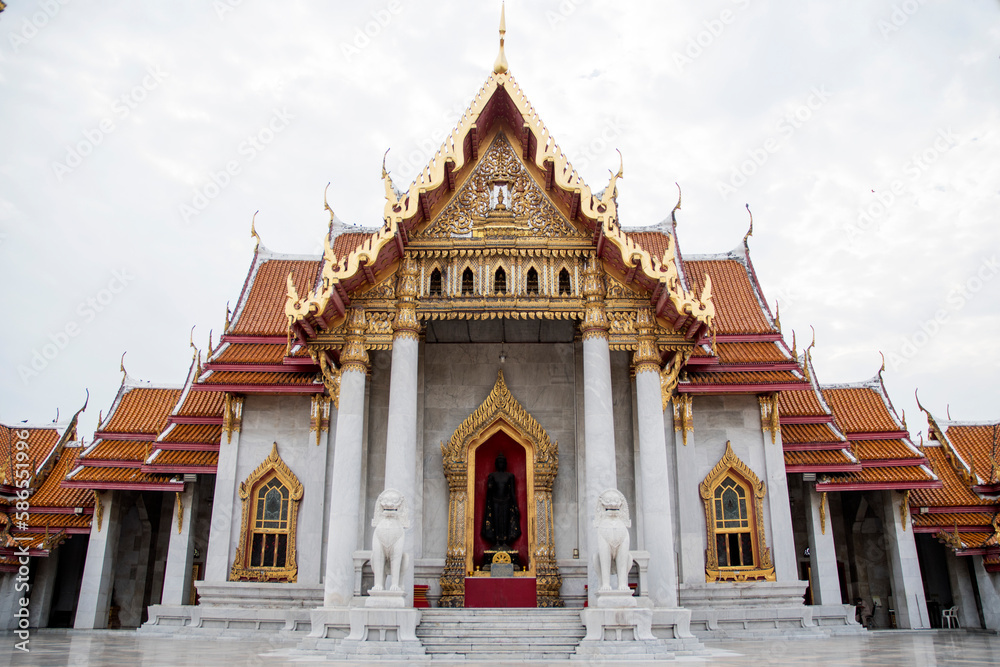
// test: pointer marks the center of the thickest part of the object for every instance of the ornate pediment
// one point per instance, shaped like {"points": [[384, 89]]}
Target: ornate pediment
{"points": [[500, 200]]}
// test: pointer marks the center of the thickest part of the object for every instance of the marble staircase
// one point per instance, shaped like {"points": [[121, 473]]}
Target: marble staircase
{"points": [[500, 634]]}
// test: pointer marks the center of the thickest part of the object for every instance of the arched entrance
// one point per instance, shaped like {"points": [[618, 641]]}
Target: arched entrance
{"points": [[500, 424]]}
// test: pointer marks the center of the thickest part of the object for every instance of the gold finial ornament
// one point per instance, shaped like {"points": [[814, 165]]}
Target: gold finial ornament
{"points": [[500, 66], [253, 231], [749, 231], [326, 205], [677, 206], [121, 367]]}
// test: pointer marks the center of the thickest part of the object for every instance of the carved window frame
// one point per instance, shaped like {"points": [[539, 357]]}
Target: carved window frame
{"points": [[730, 466], [272, 467]]}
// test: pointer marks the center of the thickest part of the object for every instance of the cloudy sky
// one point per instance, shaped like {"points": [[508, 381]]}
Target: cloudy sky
{"points": [[138, 139]]}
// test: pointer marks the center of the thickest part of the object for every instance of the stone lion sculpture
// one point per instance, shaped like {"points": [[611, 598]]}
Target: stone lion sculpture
{"points": [[391, 519], [612, 522]]}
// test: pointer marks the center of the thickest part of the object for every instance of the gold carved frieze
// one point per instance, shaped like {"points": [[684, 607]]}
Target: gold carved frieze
{"points": [[500, 199], [232, 415], [683, 415], [769, 419], [500, 412]]}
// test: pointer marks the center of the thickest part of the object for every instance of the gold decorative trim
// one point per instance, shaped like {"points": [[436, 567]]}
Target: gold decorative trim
{"points": [[822, 513], [272, 466], [500, 412], [354, 356], [683, 416], [904, 509], [319, 416], [330, 374], [647, 357], [98, 509], [670, 376], [769, 420], [232, 415], [730, 464], [180, 511], [406, 325]]}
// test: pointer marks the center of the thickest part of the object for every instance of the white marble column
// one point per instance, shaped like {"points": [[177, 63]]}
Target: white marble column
{"points": [[989, 593], [43, 589], [401, 440], [98, 571], [9, 601], [226, 509], [657, 518], [690, 508], [904, 567], [822, 552], [962, 594], [779, 510], [180, 549]]}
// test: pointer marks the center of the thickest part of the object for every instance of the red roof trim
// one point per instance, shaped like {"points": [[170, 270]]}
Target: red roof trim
{"points": [[813, 446], [987, 488], [54, 530], [259, 340], [982, 551], [748, 338], [259, 368], [805, 419], [892, 463], [748, 368], [60, 510], [108, 463], [170, 469], [823, 467], [195, 421], [867, 486], [188, 446], [306, 389], [954, 509], [124, 486], [951, 529], [741, 388]]}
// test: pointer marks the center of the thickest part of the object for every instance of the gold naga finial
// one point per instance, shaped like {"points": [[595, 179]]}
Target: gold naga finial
{"points": [[122, 367], [390, 190], [228, 314], [947, 410], [326, 206], [677, 206], [500, 66], [611, 192], [806, 357], [882, 367], [253, 231], [795, 350], [191, 339], [210, 343], [903, 419], [777, 316], [749, 231]]}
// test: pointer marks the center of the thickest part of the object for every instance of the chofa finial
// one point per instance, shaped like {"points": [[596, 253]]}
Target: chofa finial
{"points": [[500, 66], [253, 230]]}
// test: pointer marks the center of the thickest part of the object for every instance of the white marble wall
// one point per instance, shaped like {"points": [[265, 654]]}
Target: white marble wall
{"points": [[962, 593], [989, 593], [904, 566], [180, 550], [95, 588], [822, 551]]}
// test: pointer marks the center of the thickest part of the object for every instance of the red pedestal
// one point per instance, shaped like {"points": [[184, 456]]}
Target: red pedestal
{"points": [[500, 592]]}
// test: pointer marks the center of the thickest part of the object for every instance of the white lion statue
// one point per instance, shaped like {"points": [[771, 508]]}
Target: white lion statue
{"points": [[390, 521], [612, 522]]}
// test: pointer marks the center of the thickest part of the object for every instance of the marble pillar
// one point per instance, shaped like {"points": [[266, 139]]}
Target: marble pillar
{"points": [[904, 567], [779, 510], [690, 509], [226, 508], [962, 593], [401, 441], [657, 517], [345, 491], [989, 593], [43, 589], [98, 571], [822, 551], [180, 548], [9, 601], [599, 441]]}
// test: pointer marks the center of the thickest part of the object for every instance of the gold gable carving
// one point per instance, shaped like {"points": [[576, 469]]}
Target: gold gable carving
{"points": [[500, 199]]}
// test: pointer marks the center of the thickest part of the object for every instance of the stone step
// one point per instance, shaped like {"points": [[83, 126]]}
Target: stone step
{"points": [[488, 635]]}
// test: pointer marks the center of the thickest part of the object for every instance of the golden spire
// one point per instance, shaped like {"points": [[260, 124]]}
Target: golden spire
{"points": [[253, 231], [500, 66]]}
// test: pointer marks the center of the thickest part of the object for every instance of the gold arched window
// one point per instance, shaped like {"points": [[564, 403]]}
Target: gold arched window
{"points": [[734, 515], [266, 549], [435, 286]]}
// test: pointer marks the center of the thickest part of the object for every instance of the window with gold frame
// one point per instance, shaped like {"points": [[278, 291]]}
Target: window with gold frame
{"points": [[266, 548], [733, 497]]}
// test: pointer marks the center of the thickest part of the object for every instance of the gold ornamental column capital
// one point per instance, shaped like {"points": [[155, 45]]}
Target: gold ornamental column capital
{"points": [[595, 319], [405, 325], [354, 356], [646, 357]]}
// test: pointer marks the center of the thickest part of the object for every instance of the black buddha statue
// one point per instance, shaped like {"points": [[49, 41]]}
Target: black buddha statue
{"points": [[501, 517]]}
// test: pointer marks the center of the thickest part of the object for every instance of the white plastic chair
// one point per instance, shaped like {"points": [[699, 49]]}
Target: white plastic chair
{"points": [[949, 616]]}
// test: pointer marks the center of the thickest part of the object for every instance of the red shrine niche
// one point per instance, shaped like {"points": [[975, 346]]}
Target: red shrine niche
{"points": [[486, 455]]}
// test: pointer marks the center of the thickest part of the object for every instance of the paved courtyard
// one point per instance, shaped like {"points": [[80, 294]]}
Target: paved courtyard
{"points": [[50, 648]]}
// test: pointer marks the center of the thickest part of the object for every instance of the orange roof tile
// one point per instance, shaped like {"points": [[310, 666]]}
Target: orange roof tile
{"points": [[751, 377], [877, 450], [747, 353], [202, 404], [804, 403], [127, 475], [955, 492], [185, 458], [40, 441], [238, 377], [348, 242], [207, 433], [57, 521], [792, 434], [142, 410], [859, 409], [117, 450], [975, 443], [737, 309], [50, 494], [655, 243], [883, 474], [818, 458], [951, 519], [242, 353], [263, 311]]}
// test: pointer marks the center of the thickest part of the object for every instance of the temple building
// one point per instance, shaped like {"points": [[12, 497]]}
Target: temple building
{"points": [[503, 396]]}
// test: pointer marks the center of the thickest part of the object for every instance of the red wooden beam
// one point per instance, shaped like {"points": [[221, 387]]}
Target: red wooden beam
{"points": [[749, 388], [754, 367], [893, 463], [123, 486], [474, 136], [813, 446], [879, 435], [954, 509], [876, 486], [197, 421], [108, 463], [261, 368], [170, 469], [747, 338], [108, 435], [255, 340], [307, 327], [805, 419], [188, 446], [304, 389], [820, 467]]}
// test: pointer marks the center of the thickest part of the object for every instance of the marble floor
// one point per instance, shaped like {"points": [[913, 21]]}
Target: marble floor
{"points": [[66, 648]]}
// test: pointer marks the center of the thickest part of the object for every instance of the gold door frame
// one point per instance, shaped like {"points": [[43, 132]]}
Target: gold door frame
{"points": [[500, 412]]}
